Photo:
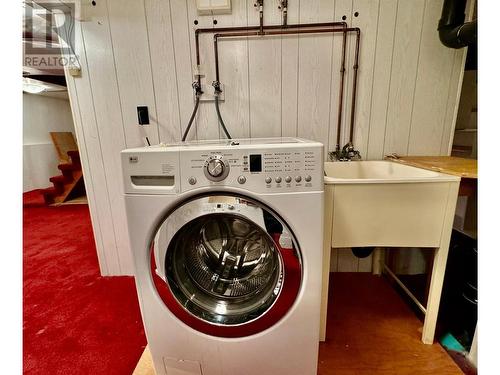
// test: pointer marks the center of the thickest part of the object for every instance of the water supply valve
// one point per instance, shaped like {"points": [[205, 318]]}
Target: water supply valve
{"points": [[217, 87]]}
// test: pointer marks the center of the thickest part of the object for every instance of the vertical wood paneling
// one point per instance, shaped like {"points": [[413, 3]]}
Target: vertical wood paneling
{"points": [[341, 8], [101, 69], [381, 78], [206, 120], [433, 80], [184, 62], [403, 75], [344, 8], [133, 68], [453, 102], [367, 21], [87, 133], [365, 264], [315, 69], [289, 75], [233, 62], [164, 69], [86, 166], [264, 66], [142, 53], [346, 261]]}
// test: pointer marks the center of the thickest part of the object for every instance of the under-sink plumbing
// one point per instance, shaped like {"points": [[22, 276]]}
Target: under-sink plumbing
{"points": [[348, 153]]}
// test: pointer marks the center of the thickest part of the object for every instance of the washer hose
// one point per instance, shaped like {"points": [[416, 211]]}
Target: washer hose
{"points": [[221, 122], [192, 118]]}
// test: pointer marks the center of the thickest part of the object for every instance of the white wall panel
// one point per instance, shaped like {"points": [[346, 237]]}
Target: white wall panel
{"points": [[90, 146], [346, 261], [382, 67], [405, 61], [130, 45], [289, 75], [142, 53], [181, 31], [109, 122], [315, 69], [367, 20], [163, 68], [343, 8], [264, 71], [233, 61], [206, 120], [433, 79]]}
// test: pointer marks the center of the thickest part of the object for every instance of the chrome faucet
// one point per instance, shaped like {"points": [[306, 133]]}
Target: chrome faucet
{"points": [[347, 153]]}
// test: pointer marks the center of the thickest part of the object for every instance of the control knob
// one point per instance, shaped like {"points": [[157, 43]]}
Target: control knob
{"points": [[216, 168]]}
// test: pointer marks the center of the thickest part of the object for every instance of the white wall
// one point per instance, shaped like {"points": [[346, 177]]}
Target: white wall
{"points": [[42, 115], [141, 52]]}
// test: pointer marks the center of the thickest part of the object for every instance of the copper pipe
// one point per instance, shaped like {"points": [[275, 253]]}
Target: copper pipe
{"points": [[341, 91], [354, 86], [249, 28], [208, 30], [294, 30]]}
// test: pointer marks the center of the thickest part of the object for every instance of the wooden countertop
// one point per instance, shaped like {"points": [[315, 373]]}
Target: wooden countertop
{"points": [[465, 168]]}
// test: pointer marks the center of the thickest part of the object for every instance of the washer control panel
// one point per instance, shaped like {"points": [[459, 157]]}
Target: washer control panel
{"points": [[287, 168], [262, 166]]}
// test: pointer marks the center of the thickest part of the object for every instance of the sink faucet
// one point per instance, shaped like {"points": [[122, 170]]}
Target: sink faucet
{"points": [[347, 153]]}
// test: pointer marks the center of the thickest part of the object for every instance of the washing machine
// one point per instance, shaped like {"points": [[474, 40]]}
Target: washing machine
{"points": [[226, 239]]}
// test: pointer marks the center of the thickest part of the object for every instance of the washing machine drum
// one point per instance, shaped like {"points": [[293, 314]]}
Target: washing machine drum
{"points": [[232, 264]]}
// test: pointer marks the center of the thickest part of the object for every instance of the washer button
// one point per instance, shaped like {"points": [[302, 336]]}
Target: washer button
{"points": [[242, 179], [308, 178], [192, 180], [288, 179], [278, 180], [298, 178], [268, 180]]}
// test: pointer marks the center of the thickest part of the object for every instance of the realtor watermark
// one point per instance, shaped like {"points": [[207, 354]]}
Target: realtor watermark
{"points": [[49, 34]]}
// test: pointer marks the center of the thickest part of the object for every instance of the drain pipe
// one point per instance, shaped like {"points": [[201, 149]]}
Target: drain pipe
{"points": [[453, 31]]}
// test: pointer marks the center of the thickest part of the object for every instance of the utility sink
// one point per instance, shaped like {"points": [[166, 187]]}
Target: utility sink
{"points": [[387, 204], [379, 172], [382, 203]]}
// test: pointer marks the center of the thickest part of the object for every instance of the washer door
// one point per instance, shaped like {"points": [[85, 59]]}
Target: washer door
{"points": [[226, 265]]}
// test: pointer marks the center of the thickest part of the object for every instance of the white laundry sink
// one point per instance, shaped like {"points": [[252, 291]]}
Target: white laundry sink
{"points": [[382, 203], [378, 172]]}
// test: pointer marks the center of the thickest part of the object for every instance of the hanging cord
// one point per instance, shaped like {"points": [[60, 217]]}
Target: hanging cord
{"points": [[216, 85], [198, 93]]}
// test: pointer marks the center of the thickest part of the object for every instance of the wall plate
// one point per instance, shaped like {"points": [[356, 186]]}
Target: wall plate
{"points": [[208, 94], [213, 7]]}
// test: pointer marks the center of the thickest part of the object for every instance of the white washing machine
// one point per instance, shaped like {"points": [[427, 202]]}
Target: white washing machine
{"points": [[227, 243]]}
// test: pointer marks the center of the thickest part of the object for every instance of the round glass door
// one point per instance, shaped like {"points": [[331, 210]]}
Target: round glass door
{"points": [[226, 265]]}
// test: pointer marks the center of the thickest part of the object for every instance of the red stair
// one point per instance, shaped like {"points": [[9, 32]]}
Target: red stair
{"points": [[66, 184]]}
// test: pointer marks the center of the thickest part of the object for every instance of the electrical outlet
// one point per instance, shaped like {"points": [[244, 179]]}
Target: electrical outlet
{"points": [[208, 94]]}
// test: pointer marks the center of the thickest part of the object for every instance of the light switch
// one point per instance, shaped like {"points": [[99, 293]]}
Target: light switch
{"points": [[142, 115], [213, 6]]}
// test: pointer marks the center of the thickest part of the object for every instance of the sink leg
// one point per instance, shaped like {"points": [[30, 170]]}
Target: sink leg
{"points": [[378, 261], [439, 268]]}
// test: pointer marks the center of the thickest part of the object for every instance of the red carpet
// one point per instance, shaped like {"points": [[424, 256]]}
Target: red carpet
{"points": [[75, 321]]}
